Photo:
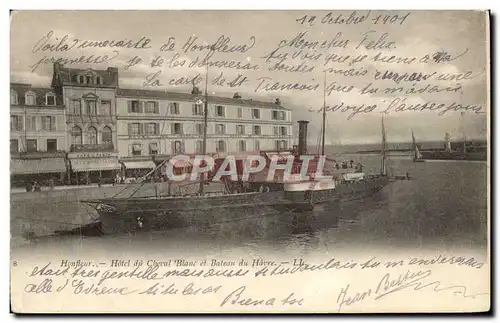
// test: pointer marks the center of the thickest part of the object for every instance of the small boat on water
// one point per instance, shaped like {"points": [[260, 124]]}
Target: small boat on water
{"points": [[462, 150]]}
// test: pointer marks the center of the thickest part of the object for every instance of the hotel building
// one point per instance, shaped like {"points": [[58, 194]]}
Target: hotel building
{"points": [[90, 99], [153, 125]]}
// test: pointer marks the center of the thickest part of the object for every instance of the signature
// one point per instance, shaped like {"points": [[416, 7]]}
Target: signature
{"points": [[390, 284]]}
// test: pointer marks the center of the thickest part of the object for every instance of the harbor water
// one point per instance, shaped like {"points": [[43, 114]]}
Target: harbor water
{"points": [[443, 206]]}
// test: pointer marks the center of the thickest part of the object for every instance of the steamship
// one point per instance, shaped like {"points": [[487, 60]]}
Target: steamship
{"points": [[255, 198]]}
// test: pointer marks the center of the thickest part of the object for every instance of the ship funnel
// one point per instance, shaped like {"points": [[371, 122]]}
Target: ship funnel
{"points": [[302, 137]]}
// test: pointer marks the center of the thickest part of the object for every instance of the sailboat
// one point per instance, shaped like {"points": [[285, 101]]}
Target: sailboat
{"points": [[417, 156], [459, 152]]}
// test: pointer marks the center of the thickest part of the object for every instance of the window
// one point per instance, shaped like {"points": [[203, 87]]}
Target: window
{"points": [[278, 115], [151, 129], [88, 79], [198, 109], [106, 135], [13, 97], [240, 112], [240, 129], [31, 123], [76, 107], [281, 144], [136, 149], [153, 148], [14, 146], [76, 136], [177, 129], [134, 106], [199, 146], [174, 108], [255, 113], [199, 128], [151, 107], [256, 130], [32, 145], [91, 107], [134, 129], [283, 131], [220, 129], [221, 146], [242, 145], [256, 145], [92, 136], [177, 147], [52, 145], [98, 80], [81, 79], [276, 130], [50, 99], [49, 123], [105, 108], [220, 111], [30, 98], [16, 123]]}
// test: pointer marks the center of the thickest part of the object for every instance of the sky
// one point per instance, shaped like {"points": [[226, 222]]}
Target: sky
{"points": [[421, 33]]}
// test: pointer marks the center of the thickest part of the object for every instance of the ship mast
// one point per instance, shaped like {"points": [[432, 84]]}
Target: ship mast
{"points": [[463, 131], [324, 119], [383, 169], [205, 122]]}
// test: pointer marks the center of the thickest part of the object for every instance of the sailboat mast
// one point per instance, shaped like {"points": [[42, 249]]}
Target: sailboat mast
{"points": [[205, 123], [383, 170], [324, 119]]}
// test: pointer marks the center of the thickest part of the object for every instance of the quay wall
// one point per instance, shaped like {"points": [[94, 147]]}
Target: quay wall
{"points": [[35, 214]]}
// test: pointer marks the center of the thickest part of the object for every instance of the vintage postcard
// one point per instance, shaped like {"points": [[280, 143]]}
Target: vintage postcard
{"points": [[205, 161]]}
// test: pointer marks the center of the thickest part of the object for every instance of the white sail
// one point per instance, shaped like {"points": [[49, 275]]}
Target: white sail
{"points": [[417, 154]]}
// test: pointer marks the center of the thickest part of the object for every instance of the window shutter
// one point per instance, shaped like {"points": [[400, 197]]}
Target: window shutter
{"points": [[130, 150], [129, 106], [157, 109], [141, 106], [182, 147], [129, 129]]}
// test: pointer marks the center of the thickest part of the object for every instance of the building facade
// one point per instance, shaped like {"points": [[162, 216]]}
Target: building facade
{"points": [[153, 125], [37, 135], [100, 131], [89, 97]]}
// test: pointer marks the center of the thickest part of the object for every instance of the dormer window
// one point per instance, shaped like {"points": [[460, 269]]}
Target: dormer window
{"points": [[80, 79], [50, 99], [88, 79], [30, 98], [98, 80], [13, 97]]}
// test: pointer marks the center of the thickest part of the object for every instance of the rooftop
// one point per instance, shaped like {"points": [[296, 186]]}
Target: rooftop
{"points": [[165, 95]]}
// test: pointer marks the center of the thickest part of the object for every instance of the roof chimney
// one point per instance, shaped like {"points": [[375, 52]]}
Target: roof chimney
{"points": [[302, 137], [277, 102], [236, 96]]}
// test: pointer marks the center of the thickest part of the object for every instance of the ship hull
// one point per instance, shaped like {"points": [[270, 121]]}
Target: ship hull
{"points": [[443, 155], [293, 207]]}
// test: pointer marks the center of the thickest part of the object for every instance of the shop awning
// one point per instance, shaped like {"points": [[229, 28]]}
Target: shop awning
{"points": [[145, 164], [37, 166], [94, 164]]}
